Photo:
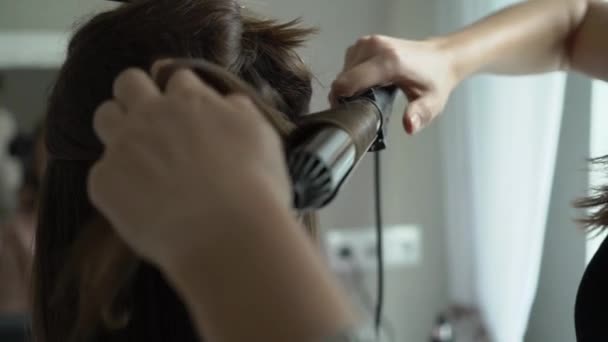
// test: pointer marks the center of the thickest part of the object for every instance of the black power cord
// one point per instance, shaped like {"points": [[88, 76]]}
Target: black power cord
{"points": [[358, 281], [379, 245]]}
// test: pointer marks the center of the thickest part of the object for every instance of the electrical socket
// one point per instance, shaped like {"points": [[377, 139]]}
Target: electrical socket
{"points": [[349, 248]]}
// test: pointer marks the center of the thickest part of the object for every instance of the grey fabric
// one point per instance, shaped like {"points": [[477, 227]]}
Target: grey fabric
{"points": [[346, 336]]}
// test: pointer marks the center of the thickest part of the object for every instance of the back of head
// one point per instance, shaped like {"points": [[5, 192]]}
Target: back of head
{"points": [[261, 52]]}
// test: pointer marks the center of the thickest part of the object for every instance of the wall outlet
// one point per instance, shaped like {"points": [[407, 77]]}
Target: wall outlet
{"points": [[350, 248]]}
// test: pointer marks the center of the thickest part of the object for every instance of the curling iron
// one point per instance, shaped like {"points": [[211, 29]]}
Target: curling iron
{"points": [[325, 147]]}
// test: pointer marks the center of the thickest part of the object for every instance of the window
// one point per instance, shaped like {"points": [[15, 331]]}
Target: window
{"points": [[598, 147]]}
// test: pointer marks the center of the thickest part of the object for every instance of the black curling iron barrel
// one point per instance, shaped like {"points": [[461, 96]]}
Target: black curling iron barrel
{"points": [[325, 147], [328, 146]]}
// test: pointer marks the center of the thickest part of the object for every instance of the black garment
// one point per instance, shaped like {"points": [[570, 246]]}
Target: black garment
{"points": [[590, 316], [14, 328]]}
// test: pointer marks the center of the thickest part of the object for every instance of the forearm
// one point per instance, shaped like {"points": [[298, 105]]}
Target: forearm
{"points": [[261, 280], [528, 37]]}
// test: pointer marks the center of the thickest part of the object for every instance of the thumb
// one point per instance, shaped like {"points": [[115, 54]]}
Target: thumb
{"points": [[419, 113], [370, 73]]}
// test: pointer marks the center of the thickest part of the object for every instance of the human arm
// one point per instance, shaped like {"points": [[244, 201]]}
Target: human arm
{"points": [[195, 183], [534, 36], [261, 282], [530, 37]]}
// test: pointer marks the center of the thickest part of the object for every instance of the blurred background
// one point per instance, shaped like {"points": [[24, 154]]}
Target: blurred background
{"points": [[480, 233]]}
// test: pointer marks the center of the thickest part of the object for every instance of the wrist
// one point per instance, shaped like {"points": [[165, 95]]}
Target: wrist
{"points": [[207, 232], [262, 274], [451, 51]]}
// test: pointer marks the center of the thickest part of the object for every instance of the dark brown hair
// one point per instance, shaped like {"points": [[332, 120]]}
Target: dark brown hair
{"points": [[596, 202], [88, 286]]}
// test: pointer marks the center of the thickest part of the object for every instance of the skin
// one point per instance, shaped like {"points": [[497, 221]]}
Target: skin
{"points": [[530, 37], [222, 231], [148, 166]]}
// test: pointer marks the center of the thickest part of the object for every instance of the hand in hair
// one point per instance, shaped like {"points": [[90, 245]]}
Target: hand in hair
{"points": [[189, 155], [204, 194], [88, 286]]}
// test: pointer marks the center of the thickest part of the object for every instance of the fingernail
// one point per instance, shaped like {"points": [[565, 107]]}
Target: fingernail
{"points": [[339, 88], [158, 65], [415, 120], [330, 99]]}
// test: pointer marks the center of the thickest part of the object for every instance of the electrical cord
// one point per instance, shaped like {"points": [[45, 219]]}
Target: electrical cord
{"points": [[379, 244], [358, 281]]}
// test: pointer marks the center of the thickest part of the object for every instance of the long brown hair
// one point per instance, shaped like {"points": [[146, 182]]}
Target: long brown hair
{"points": [[88, 286]]}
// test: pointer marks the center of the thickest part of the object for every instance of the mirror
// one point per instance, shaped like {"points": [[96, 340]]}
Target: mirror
{"points": [[479, 239]]}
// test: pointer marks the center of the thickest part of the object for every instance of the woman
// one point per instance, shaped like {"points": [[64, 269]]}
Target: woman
{"points": [[74, 244], [531, 37]]}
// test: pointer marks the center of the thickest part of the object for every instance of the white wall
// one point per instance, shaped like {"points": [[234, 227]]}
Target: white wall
{"points": [[46, 15], [24, 93]]}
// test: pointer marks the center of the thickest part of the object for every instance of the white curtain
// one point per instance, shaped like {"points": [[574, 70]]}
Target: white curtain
{"points": [[599, 147], [499, 143]]}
